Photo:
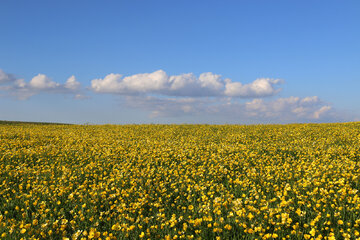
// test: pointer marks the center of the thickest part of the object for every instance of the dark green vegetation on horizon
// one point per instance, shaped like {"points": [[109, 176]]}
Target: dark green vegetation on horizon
{"points": [[5, 122]]}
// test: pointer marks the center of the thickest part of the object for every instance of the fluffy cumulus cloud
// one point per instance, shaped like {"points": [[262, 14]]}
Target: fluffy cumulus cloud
{"points": [[38, 84], [138, 83], [186, 85], [72, 84], [261, 87], [42, 82]]}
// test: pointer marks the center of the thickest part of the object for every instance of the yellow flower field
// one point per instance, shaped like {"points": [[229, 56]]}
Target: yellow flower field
{"points": [[298, 181]]}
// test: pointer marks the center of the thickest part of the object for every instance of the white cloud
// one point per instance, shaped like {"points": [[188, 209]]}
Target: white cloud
{"points": [[292, 107], [206, 85], [110, 84], [146, 82], [22, 90], [261, 87], [323, 110], [310, 100], [181, 81], [71, 83], [183, 85], [42, 82], [211, 81], [138, 83]]}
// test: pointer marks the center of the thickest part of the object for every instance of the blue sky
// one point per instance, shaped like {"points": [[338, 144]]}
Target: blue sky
{"points": [[180, 61]]}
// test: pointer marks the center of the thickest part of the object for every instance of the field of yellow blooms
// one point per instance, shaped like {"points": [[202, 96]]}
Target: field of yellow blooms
{"points": [[298, 181]]}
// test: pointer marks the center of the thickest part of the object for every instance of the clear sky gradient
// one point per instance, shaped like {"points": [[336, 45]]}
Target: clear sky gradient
{"points": [[180, 61]]}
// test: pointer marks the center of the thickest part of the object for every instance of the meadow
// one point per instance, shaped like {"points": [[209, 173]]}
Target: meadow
{"points": [[297, 181]]}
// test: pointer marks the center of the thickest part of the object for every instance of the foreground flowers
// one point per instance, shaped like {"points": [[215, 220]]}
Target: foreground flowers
{"points": [[180, 181]]}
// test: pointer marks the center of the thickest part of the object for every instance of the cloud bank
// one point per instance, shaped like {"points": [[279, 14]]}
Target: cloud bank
{"points": [[184, 85], [210, 95], [291, 109], [171, 96]]}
